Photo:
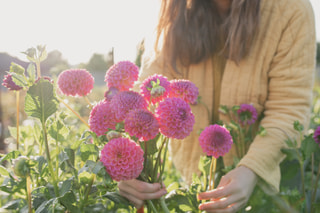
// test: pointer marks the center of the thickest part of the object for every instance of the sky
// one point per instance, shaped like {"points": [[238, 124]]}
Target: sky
{"points": [[80, 28]]}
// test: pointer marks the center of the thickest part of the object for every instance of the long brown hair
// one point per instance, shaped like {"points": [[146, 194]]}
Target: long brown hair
{"points": [[193, 30]]}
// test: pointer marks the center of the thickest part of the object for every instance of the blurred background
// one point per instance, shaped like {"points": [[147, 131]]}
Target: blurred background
{"points": [[79, 34]]}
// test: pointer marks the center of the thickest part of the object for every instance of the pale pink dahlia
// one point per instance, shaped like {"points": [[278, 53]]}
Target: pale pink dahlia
{"points": [[155, 88], [215, 140], [125, 101], [9, 83], [142, 124], [75, 82], [175, 118], [102, 118], [112, 91], [123, 159], [122, 75], [184, 89], [316, 135], [247, 114]]}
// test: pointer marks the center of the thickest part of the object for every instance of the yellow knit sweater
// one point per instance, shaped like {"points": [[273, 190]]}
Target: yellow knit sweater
{"points": [[276, 77]]}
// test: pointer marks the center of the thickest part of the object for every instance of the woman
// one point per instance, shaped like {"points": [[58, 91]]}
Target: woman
{"points": [[259, 52]]}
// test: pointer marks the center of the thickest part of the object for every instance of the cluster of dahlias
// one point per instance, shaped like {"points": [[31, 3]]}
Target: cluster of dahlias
{"points": [[160, 107]]}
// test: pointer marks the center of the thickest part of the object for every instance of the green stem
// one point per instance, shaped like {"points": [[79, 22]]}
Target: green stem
{"points": [[74, 112], [150, 203], [315, 188], [166, 140], [212, 172], [88, 102], [18, 113], [55, 185], [164, 205], [87, 192], [38, 68], [28, 183]]}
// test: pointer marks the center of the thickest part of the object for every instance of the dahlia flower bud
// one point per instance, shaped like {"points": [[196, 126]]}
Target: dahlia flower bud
{"points": [[9, 83], [113, 134], [21, 167]]}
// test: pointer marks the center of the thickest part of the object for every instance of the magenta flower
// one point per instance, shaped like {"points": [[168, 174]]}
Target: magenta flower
{"points": [[247, 114], [175, 118], [155, 88], [184, 89], [125, 101], [102, 118], [122, 75], [75, 82], [316, 135], [215, 140], [142, 124], [108, 95], [9, 83], [123, 159]]}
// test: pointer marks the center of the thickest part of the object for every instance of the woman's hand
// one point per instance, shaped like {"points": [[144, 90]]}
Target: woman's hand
{"points": [[137, 191], [232, 193]]}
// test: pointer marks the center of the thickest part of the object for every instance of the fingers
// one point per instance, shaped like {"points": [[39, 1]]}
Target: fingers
{"points": [[137, 191], [230, 209], [223, 203]]}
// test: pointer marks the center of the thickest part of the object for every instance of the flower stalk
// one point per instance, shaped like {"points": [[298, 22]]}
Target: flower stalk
{"points": [[213, 166], [18, 118], [28, 186]]}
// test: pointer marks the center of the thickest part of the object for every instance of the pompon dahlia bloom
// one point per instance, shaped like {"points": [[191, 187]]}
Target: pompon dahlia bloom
{"points": [[175, 118], [122, 75], [215, 140], [142, 124], [247, 114], [102, 118], [125, 101], [110, 93], [184, 89], [75, 82], [9, 83], [316, 135], [155, 93], [123, 159]]}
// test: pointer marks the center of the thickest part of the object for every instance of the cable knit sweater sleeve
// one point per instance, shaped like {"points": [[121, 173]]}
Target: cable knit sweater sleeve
{"points": [[290, 81]]}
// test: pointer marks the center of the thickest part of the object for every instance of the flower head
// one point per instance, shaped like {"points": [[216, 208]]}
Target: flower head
{"points": [[112, 91], [155, 88], [316, 135], [215, 140], [175, 118], [102, 118], [125, 101], [184, 89], [142, 124], [9, 83], [75, 82], [122, 75], [247, 114], [123, 159]]}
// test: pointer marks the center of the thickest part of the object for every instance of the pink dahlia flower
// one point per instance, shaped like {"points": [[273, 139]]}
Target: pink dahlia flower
{"points": [[9, 83], [110, 93], [215, 140], [175, 118], [142, 124], [155, 88], [184, 89], [75, 82], [102, 118], [123, 159], [125, 101], [122, 75], [247, 114], [316, 135]]}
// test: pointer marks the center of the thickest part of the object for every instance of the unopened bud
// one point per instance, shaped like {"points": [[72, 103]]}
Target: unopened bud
{"points": [[113, 134]]}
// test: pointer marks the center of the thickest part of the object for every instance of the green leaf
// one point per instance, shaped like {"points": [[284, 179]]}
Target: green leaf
{"points": [[89, 152], [19, 80], [308, 146], [31, 70], [291, 153], [151, 145], [68, 200], [16, 68], [58, 131], [40, 101], [297, 126], [11, 155], [3, 171], [116, 197], [66, 186]]}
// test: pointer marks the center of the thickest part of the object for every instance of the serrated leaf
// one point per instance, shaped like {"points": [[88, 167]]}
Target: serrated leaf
{"points": [[19, 80], [16, 68], [40, 101], [58, 131], [89, 152], [67, 200], [151, 145], [66, 186], [43, 55], [308, 146], [291, 153]]}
